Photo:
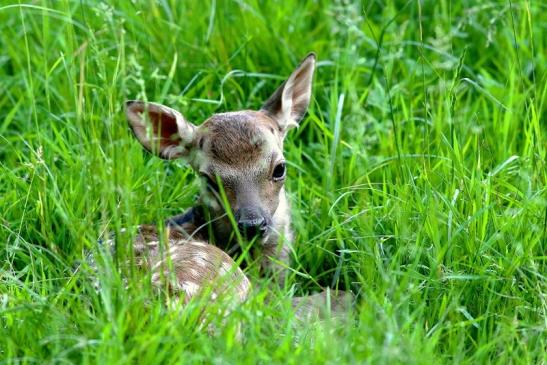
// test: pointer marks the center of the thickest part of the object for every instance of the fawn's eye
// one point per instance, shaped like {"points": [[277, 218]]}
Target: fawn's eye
{"points": [[279, 172]]}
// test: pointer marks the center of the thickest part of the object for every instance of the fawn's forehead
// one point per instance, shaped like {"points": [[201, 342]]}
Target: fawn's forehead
{"points": [[240, 138]]}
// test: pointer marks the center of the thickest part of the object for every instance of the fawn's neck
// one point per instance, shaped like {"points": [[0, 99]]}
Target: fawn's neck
{"points": [[201, 223]]}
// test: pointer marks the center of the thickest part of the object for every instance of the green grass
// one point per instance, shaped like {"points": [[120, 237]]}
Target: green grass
{"points": [[418, 178]]}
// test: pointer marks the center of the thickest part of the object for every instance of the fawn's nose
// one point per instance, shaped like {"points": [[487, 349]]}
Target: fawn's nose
{"points": [[251, 222]]}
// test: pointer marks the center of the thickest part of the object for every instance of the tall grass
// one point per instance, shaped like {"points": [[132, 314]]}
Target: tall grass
{"points": [[418, 179]]}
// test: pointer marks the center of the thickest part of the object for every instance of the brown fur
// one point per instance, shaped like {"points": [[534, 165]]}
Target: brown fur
{"points": [[242, 150], [183, 265], [237, 138]]}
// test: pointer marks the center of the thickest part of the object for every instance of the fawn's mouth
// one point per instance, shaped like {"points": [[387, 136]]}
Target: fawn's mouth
{"points": [[253, 231]]}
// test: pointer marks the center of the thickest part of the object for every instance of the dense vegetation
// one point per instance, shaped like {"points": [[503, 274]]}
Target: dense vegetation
{"points": [[417, 180]]}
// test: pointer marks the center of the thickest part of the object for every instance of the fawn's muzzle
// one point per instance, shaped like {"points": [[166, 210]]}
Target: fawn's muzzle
{"points": [[251, 222]]}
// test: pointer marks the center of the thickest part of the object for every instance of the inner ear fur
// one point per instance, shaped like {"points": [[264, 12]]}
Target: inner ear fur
{"points": [[160, 129], [290, 101]]}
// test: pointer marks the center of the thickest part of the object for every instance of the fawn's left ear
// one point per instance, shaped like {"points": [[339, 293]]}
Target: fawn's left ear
{"points": [[289, 102], [160, 129]]}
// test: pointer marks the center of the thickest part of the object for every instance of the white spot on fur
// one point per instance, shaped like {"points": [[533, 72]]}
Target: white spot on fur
{"points": [[174, 250], [225, 268], [202, 258], [190, 288], [176, 256], [198, 244], [156, 277], [244, 288]]}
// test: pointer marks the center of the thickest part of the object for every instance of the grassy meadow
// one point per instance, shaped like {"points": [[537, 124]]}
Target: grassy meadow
{"points": [[418, 178]]}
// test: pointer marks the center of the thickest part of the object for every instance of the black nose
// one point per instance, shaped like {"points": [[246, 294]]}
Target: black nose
{"points": [[251, 223]]}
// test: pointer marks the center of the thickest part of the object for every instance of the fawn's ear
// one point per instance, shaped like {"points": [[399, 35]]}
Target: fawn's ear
{"points": [[160, 129], [289, 102]]}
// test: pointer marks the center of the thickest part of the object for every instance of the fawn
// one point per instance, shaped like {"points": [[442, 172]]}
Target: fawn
{"points": [[239, 156]]}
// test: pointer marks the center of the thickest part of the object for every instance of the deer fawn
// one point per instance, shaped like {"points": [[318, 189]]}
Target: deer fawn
{"points": [[239, 155]]}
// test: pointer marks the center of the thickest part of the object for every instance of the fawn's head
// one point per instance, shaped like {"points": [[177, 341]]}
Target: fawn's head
{"points": [[239, 152]]}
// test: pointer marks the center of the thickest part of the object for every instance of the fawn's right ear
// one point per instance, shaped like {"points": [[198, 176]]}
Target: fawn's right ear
{"points": [[160, 129], [289, 102]]}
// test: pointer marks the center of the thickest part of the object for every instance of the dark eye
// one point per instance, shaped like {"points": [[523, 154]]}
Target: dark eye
{"points": [[279, 172]]}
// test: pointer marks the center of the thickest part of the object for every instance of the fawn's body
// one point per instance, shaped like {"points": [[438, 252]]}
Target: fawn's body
{"points": [[239, 155], [187, 266]]}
